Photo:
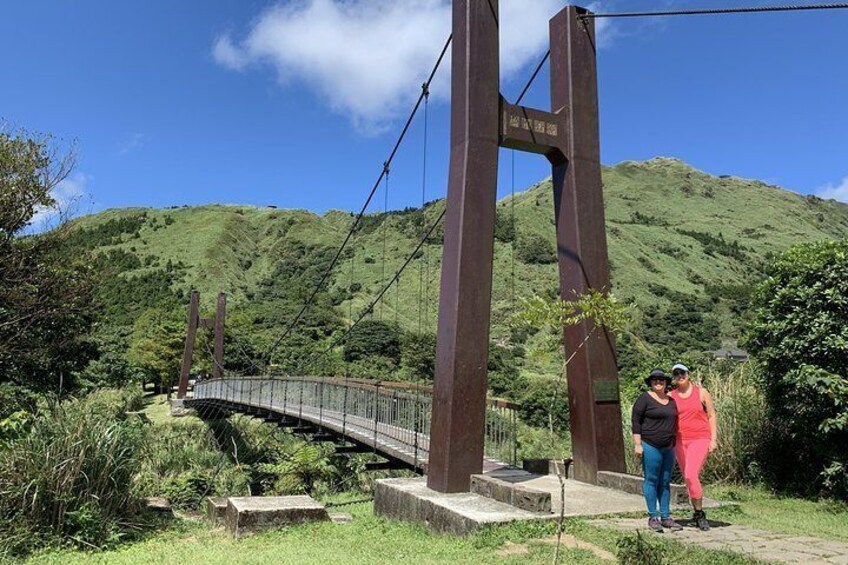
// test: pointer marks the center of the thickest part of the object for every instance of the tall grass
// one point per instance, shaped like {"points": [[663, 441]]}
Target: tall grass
{"points": [[742, 421], [68, 478]]}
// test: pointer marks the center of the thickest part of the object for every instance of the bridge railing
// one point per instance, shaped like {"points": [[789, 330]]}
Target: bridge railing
{"points": [[390, 417]]}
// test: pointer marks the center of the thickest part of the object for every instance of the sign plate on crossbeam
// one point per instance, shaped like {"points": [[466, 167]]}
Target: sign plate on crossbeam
{"points": [[606, 391], [531, 130]]}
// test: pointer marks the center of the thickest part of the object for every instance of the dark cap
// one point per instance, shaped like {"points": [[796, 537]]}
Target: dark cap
{"points": [[657, 374]]}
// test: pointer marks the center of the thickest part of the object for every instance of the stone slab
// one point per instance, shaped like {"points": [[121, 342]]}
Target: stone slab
{"points": [[773, 547], [633, 485], [216, 508], [250, 514], [455, 513], [494, 486]]}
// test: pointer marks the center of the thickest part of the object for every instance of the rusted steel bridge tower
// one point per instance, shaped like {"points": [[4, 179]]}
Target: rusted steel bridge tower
{"points": [[568, 135], [194, 322]]}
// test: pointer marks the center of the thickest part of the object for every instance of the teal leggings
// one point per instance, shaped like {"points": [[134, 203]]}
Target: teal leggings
{"points": [[656, 468]]}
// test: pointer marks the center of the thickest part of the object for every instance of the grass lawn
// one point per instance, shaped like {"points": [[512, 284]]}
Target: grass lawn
{"points": [[759, 508], [368, 539]]}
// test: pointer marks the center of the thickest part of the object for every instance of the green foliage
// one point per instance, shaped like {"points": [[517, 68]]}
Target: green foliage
{"points": [[45, 286], [799, 332], [681, 325], [640, 549], [544, 404], [504, 225], [717, 245], [158, 340], [535, 249], [186, 491], [419, 355], [68, 477], [373, 338]]}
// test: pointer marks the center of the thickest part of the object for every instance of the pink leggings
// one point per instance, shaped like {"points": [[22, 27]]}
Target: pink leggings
{"points": [[691, 455]]}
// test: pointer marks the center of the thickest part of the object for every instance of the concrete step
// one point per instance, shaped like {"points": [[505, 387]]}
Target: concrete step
{"points": [[251, 514], [455, 513]]}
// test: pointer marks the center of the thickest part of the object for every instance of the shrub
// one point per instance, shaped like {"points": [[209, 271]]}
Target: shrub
{"points": [[799, 332], [535, 249], [69, 477], [373, 337], [419, 354], [540, 396]]}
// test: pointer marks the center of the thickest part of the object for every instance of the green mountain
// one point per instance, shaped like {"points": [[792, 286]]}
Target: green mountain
{"points": [[684, 246]]}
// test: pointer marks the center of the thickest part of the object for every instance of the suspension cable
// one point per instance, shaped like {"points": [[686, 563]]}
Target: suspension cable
{"points": [[719, 11], [532, 77], [383, 291], [385, 233], [359, 216]]}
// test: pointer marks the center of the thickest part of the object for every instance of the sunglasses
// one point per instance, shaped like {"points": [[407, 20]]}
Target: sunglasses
{"points": [[680, 375]]}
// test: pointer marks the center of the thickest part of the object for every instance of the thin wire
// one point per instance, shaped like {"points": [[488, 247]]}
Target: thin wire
{"points": [[512, 227], [385, 232], [385, 289], [718, 11], [532, 77], [388, 161]]}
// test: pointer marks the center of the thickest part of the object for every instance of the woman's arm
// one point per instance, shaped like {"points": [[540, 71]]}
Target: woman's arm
{"points": [[636, 418], [707, 401]]}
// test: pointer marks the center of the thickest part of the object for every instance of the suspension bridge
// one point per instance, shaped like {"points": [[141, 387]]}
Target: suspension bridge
{"points": [[453, 430]]}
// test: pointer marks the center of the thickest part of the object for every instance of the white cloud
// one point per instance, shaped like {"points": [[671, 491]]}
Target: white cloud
{"points": [[366, 58], [135, 141], [68, 196], [835, 191]]}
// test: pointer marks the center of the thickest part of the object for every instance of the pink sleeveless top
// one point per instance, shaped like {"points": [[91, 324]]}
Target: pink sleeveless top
{"points": [[692, 420]]}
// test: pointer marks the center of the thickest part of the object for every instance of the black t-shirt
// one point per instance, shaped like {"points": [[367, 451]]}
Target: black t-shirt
{"points": [[657, 423]]}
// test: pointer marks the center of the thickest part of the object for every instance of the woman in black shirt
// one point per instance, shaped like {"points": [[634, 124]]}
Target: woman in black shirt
{"points": [[654, 428]]}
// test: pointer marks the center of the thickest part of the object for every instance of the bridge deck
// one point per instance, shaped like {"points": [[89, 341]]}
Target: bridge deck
{"points": [[392, 421]]}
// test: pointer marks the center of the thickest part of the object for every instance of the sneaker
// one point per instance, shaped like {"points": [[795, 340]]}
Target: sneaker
{"points": [[700, 518], [655, 525], [671, 525]]}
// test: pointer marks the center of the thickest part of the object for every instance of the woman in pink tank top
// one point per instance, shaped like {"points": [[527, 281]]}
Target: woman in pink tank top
{"points": [[697, 436]]}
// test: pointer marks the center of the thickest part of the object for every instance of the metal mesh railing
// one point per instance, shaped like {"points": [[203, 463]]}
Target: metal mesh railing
{"points": [[392, 418]]}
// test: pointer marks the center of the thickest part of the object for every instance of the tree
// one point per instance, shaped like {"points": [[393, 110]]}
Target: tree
{"points": [[373, 337], [46, 289], [534, 248], [157, 344], [799, 333]]}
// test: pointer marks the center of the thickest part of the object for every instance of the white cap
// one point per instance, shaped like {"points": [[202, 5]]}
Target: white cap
{"points": [[680, 366]]}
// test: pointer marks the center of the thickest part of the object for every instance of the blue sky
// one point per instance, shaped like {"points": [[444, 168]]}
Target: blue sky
{"points": [[297, 104]]}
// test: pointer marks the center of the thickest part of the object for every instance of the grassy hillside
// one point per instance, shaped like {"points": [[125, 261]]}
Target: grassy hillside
{"points": [[678, 238]]}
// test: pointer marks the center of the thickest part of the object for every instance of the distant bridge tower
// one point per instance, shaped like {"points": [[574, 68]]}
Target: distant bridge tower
{"points": [[194, 322]]}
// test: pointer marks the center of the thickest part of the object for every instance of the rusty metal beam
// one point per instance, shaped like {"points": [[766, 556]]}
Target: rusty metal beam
{"points": [[459, 403], [533, 131], [596, 432], [218, 353], [188, 352]]}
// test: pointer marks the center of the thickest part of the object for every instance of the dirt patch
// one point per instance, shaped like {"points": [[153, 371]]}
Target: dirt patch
{"points": [[568, 541]]}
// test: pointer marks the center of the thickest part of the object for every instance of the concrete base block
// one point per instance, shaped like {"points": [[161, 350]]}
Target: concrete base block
{"points": [[216, 509], [549, 467], [497, 488], [633, 485], [178, 408], [250, 514], [456, 513]]}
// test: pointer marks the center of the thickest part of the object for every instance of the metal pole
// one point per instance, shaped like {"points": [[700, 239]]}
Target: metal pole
{"points": [[220, 315], [188, 352], [457, 434], [595, 415]]}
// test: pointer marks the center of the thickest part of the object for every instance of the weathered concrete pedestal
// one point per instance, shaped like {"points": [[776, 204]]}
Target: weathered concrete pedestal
{"points": [[250, 514], [457, 513], [216, 509]]}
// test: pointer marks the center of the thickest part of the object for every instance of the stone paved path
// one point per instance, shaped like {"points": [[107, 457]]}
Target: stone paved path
{"points": [[766, 546]]}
